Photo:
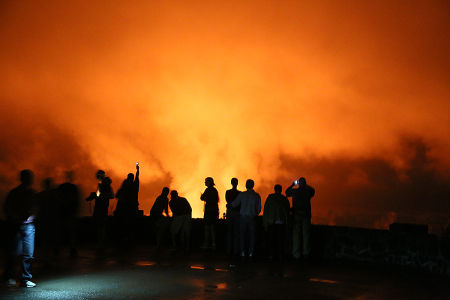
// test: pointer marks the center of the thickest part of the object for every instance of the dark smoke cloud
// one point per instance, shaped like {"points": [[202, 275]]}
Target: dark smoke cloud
{"points": [[30, 142], [371, 191]]}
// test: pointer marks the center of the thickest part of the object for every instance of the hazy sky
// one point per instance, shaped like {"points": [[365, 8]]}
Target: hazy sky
{"points": [[353, 95]]}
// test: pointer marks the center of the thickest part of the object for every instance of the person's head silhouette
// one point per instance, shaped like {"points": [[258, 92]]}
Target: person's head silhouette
{"points": [[278, 188], [165, 191], [173, 195], [302, 182], [100, 175], [209, 181], [234, 182], [130, 177], [249, 184], [26, 177]]}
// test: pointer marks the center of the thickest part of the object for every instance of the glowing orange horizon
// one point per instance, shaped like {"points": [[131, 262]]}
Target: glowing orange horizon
{"points": [[222, 90]]}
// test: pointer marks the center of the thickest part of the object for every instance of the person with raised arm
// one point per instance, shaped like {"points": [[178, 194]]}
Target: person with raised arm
{"points": [[301, 210]]}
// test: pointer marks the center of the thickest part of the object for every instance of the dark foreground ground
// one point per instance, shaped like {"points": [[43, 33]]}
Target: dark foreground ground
{"points": [[142, 274]]}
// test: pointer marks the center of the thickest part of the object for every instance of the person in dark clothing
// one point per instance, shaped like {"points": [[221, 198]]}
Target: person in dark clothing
{"points": [[181, 222], [20, 209], [127, 206], [69, 204], [250, 203], [47, 219], [275, 218], [127, 196], [101, 197], [159, 215], [211, 213], [232, 220], [301, 209]]}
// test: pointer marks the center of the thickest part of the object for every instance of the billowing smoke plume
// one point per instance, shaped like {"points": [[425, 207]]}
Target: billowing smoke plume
{"points": [[261, 89]]}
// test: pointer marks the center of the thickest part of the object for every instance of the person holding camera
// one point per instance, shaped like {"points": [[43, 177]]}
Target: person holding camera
{"points": [[127, 208], [301, 209], [101, 197]]}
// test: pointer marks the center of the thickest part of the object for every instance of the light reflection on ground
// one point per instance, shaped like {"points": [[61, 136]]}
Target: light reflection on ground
{"points": [[221, 270], [198, 267], [322, 280], [138, 277], [222, 286], [144, 263]]}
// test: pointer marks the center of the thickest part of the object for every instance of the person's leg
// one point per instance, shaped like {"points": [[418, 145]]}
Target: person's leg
{"points": [[213, 235], [182, 230], [306, 235], [236, 234], [175, 229], [206, 242], [187, 232], [72, 228], [101, 233], [296, 238], [157, 230], [230, 235], [27, 233], [243, 234], [161, 226], [252, 235], [14, 247], [270, 240], [280, 234]]}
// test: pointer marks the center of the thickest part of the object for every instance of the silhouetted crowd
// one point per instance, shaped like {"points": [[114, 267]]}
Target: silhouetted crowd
{"points": [[54, 211]]}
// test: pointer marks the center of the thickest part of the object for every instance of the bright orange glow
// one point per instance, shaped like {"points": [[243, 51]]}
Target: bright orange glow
{"points": [[248, 89]]}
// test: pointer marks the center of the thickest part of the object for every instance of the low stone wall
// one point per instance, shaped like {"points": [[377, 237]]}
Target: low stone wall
{"points": [[423, 251], [414, 249]]}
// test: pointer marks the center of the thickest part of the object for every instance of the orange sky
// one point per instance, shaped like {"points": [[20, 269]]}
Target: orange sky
{"points": [[254, 90]]}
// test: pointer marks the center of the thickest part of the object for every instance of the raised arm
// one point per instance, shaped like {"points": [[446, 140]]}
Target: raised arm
{"points": [[289, 190]]}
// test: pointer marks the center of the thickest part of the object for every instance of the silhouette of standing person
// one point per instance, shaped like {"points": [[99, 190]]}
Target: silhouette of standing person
{"points": [[181, 222], [250, 203], [232, 220], [101, 197], [211, 213], [127, 206], [275, 218], [301, 209], [69, 203], [48, 218], [20, 208], [160, 221]]}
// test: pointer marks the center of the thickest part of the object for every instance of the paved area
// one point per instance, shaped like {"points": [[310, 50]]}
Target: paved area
{"points": [[142, 274]]}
